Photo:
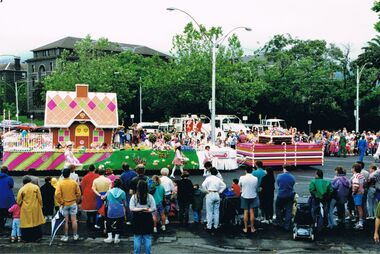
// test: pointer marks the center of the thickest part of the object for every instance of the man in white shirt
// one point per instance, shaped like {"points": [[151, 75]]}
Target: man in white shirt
{"points": [[168, 185], [214, 186], [208, 166], [249, 201]]}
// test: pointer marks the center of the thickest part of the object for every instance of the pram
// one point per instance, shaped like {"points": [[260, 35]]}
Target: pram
{"points": [[303, 220], [230, 211]]}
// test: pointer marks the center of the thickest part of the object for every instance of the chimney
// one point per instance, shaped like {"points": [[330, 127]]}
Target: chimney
{"points": [[17, 64], [82, 90]]}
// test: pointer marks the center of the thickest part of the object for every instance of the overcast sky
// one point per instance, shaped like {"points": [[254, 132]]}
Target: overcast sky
{"points": [[28, 24]]}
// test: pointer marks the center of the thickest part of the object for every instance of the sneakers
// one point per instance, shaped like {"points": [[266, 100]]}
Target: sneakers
{"points": [[166, 222], [108, 240], [65, 238], [76, 237], [13, 239], [155, 230], [265, 221], [358, 226], [117, 240], [97, 226], [163, 228]]}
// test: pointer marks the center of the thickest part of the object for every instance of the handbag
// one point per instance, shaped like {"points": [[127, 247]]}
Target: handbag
{"points": [[8, 223]]}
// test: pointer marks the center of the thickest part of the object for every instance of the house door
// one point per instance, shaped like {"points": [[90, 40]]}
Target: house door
{"points": [[82, 136]]}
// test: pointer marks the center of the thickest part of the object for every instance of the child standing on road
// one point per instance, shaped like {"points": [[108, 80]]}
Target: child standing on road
{"points": [[197, 204], [16, 231], [235, 187]]}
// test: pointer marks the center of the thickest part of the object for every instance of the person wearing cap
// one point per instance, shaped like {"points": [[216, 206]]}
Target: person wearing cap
{"points": [[214, 186], [69, 156]]}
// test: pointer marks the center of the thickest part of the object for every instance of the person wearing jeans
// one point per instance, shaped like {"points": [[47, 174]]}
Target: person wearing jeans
{"points": [[284, 211], [213, 185], [285, 198], [142, 205]]}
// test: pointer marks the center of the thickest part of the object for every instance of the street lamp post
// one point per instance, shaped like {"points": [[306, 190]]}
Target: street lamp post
{"points": [[358, 74], [215, 45]]}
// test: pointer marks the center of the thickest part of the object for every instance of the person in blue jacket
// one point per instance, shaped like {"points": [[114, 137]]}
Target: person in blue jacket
{"points": [[362, 147], [7, 198]]}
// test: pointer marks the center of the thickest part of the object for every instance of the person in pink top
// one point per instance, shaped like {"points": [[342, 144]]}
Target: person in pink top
{"points": [[16, 231], [357, 183], [110, 175]]}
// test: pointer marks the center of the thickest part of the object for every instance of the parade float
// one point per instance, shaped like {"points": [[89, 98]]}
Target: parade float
{"points": [[83, 125], [278, 148], [88, 120]]}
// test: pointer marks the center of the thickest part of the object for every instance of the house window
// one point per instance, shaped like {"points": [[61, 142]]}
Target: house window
{"points": [[98, 136], [63, 135], [51, 66], [33, 68]]}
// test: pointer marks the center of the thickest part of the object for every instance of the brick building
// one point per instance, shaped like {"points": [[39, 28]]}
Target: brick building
{"points": [[10, 73]]}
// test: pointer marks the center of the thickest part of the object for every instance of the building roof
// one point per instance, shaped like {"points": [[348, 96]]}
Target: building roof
{"points": [[69, 43], [11, 67], [63, 108]]}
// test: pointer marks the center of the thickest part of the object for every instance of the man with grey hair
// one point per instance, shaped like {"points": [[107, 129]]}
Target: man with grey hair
{"points": [[168, 185]]}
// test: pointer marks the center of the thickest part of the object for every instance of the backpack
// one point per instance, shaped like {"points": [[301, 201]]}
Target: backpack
{"points": [[151, 185]]}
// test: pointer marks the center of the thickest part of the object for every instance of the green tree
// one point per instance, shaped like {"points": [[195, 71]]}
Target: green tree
{"points": [[189, 82], [302, 82], [376, 8]]}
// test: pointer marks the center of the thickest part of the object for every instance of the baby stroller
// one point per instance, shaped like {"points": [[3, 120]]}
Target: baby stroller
{"points": [[230, 211], [303, 220]]}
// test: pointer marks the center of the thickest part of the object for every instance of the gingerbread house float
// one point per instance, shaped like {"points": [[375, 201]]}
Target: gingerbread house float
{"points": [[85, 118]]}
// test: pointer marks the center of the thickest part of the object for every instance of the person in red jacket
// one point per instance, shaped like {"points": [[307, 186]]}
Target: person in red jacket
{"points": [[89, 196]]}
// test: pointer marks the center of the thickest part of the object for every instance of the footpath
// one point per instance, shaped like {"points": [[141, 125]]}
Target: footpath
{"points": [[194, 239]]}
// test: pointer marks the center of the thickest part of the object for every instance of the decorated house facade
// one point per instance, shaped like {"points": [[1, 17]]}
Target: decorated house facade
{"points": [[85, 118]]}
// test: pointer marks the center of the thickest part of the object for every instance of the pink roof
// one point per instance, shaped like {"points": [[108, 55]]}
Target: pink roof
{"points": [[63, 107]]}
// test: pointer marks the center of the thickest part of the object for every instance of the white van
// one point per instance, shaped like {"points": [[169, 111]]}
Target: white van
{"points": [[150, 127]]}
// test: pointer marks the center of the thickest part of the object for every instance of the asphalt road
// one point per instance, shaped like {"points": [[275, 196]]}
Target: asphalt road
{"points": [[303, 175], [196, 240]]}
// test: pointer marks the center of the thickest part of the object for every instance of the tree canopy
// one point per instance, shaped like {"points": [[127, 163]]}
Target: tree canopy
{"points": [[287, 78]]}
